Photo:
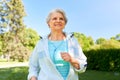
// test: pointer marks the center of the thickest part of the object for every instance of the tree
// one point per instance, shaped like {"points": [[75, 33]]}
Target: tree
{"points": [[85, 42], [18, 41], [100, 41], [1, 45], [110, 44], [14, 10], [21, 49], [117, 37], [29, 38], [4, 11]]}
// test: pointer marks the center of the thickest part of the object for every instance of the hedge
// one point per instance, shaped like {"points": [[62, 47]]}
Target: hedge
{"points": [[103, 59]]}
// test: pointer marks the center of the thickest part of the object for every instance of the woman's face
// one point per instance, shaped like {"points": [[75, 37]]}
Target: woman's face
{"points": [[56, 22]]}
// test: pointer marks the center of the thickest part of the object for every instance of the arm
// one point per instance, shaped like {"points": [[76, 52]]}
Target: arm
{"points": [[78, 61], [33, 64], [74, 62], [79, 56]]}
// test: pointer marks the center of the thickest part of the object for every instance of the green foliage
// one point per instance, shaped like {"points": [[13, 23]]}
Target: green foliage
{"points": [[16, 14], [106, 44], [0, 47], [85, 42], [11, 14], [29, 38], [103, 59], [100, 41], [110, 44], [3, 14], [19, 73], [1, 42], [19, 46], [18, 41], [117, 37]]}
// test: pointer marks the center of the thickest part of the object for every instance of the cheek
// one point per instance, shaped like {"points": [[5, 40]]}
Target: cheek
{"points": [[49, 24]]}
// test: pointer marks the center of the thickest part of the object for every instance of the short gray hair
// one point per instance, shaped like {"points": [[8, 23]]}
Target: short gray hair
{"points": [[54, 11]]}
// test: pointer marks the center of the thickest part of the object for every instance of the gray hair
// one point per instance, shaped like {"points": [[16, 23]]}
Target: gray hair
{"points": [[54, 11]]}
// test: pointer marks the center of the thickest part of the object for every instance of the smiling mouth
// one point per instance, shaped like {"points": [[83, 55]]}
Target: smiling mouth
{"points": [[59, 25]]}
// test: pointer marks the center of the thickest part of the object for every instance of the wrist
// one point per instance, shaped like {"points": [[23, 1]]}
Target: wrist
{"points": [[72, 60], [75, 63]]}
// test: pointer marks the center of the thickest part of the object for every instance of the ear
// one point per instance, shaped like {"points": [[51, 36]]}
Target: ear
{"points": [[48, 24]]}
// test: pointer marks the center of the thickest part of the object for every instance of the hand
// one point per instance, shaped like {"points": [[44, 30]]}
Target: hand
{"points": [[33, 78], [67, 57]]}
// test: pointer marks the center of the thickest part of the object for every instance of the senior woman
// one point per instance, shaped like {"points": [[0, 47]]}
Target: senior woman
{"points": [[58, 56]]}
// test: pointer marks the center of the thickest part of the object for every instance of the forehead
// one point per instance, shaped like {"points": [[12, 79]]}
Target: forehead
{"points": [[57, 14]]}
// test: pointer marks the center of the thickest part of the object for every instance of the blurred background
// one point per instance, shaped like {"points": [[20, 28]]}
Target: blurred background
{"points": [[95, 24]]}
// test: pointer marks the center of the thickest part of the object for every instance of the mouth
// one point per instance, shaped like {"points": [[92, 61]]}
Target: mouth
{"points": [[59, 25]]}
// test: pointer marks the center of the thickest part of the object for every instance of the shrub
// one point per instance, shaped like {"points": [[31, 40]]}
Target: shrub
{"points": [[103, 59]]}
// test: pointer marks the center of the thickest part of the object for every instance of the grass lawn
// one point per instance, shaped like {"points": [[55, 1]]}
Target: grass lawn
{"points": [[16, 73], [99, 75], [20, 73]]}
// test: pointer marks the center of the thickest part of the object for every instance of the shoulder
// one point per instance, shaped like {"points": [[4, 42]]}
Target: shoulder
{"points": [[73, 40], [43, 38], [70, 36]]}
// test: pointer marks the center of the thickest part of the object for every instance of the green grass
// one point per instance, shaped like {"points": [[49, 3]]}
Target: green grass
{"points": [[16, 73], [20, 73], [99, 75]]}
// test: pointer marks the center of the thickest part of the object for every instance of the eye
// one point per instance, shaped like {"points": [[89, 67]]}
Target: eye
{"points": [[62, 19], [54, 18]]}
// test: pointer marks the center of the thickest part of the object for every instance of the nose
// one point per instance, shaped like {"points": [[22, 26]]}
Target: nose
{"points": [[58, 20]]}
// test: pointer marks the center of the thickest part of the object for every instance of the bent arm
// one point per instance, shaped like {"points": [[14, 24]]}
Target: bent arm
{"points": [[80, 60]]}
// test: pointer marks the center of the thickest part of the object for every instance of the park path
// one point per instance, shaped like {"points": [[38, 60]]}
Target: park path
{"points": [[13, 64]]}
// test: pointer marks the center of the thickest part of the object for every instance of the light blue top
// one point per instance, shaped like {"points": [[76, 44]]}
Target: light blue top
{"points": [[42, 67], [55, 49]]}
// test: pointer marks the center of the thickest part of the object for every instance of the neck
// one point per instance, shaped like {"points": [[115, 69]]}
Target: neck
{"points": [[56, 36]]}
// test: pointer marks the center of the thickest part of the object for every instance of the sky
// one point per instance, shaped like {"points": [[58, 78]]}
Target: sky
{"points": [[95, 18]]}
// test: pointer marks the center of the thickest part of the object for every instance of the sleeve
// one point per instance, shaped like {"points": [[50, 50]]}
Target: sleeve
{"points": [[34, 67], [80, 56]]}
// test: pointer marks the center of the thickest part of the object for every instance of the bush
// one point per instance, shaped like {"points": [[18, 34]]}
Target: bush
{"points": [[103, 59]]}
